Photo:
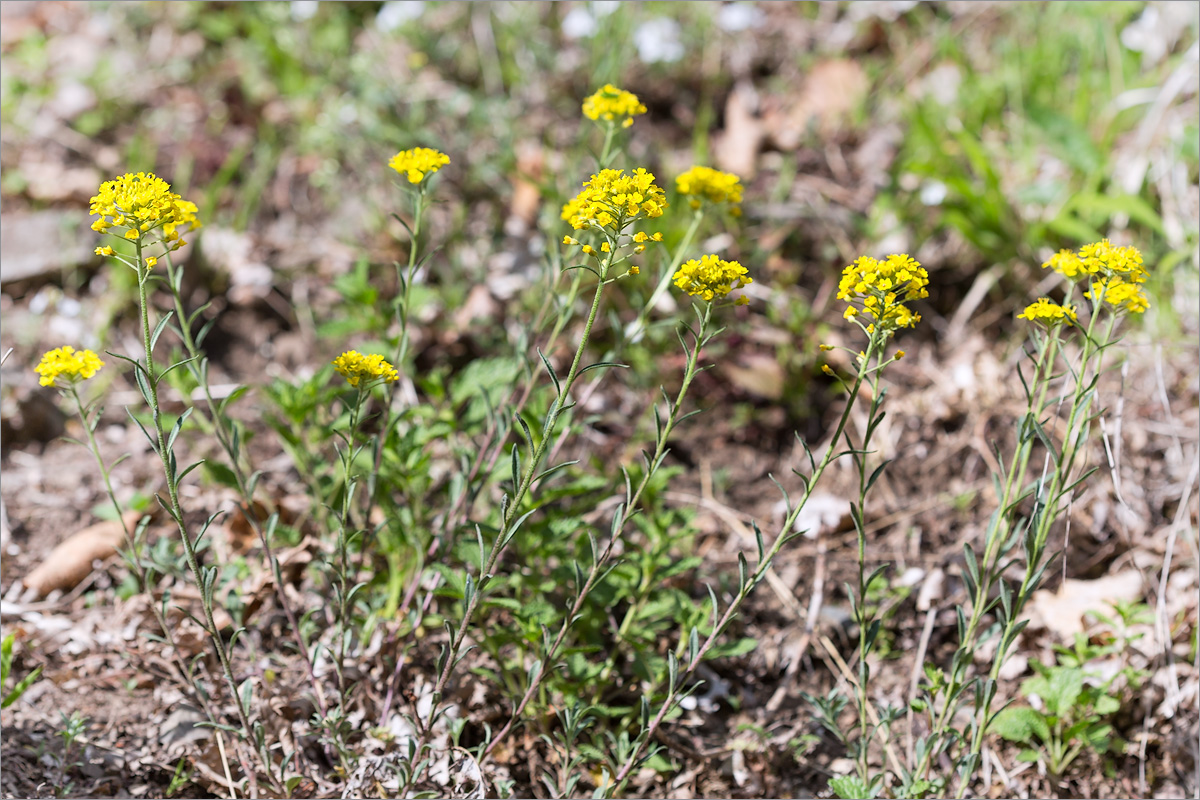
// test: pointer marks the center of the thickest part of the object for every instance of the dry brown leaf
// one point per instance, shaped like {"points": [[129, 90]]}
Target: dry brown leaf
{"points": [[1062, 613], [527, 197], [292, 563], [830, 92], [756, 373], [239, 532], [71, 561], [736, 148]]}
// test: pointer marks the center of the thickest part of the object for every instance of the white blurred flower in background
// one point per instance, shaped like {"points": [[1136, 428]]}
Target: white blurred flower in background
{"points": [[304, 9], [579, 24], [658, 40], [734, 17], [395, 13]]}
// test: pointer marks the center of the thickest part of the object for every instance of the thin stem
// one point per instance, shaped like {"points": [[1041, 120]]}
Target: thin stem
{"points": [[606, 150], [636, 328], [860, 459], [403, 310], [785, 535], [997, 534], [1048, 509], [510, 515], [134, 560], [225, 437], [176, 511], [597, 569], [344, 523]]}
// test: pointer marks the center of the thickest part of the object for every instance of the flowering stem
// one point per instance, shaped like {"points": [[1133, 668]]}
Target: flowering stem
{"points": [[626, 512], [694, 659], [134, 560], [998, 533], [1047, 510], [606, 150], [204, 577], [405, 279], [509, 519], [343, 599], [199, 369], [860, 459], [635, 329]]}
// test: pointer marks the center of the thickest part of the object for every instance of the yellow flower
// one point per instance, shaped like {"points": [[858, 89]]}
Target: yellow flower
{"points": [[150, 262], [612, 199], [880, 287], [610, 103], [1065, 263], [1048, 312], [1101, 258], [827, 370], [67, 365], [634, 270], [705, 183], [418, 163], [1120, 295], [356, 367], [104, 251], [710, 278], [141, 203], [826, 347], [1104, 258], [899, 355], [588, 249]]}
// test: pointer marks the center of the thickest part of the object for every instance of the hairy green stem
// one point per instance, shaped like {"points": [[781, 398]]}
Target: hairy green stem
{"points": [[637, 328], [998, 533], [177, 513], [134, 560], [597, 569], [785, 534], [509, 516], [860, 459], [224, 436], [1073, 441]]}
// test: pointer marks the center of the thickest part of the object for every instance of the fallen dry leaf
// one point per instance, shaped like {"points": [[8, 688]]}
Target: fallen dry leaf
{"points": [[756, 373], [1062, 613], [830, 92], [735, 149], [527, 197], [292, 563], [71, 561]]}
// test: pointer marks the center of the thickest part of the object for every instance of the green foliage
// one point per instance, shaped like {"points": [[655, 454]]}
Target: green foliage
{"points": [[1074, 714], [14, 694]]}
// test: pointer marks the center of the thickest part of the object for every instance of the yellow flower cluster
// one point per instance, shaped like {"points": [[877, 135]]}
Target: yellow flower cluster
{"points": [[612, 199], [879, 290], [1047, 311], [1116, 273], [418, 163], [66, 364], [356, 368], [610, 103], [710, 278], [141, 203], [706, 183], [1120, 295]]}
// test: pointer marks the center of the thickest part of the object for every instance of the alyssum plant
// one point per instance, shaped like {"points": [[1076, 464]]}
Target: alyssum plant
{"points": [[1060, 385], [503, 554]]}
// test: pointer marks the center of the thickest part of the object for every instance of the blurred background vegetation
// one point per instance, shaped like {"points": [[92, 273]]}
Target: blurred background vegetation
{"points": [[979, 137]]}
